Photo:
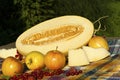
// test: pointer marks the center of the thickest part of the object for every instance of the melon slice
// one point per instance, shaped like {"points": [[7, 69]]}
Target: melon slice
{"points": [[77, 58], [95, 54], [65, 32], [4, 53]]}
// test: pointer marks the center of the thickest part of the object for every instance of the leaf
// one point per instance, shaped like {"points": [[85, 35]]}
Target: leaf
{"points": [[5, 77]]}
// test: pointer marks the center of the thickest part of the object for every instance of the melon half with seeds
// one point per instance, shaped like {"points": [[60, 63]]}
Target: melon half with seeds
{"points": [[65, 32]]}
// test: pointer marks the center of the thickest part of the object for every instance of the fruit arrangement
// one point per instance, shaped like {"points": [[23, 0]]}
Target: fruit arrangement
{"points": [[47, 48]]}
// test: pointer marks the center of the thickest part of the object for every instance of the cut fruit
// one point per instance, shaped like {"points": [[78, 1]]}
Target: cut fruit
{"points": [[77, 58], [65, 32], [95, 54], [4, 53]]}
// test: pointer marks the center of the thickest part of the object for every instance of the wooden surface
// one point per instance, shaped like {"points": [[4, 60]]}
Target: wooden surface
{"points": [[94, 70], [10, 45]]}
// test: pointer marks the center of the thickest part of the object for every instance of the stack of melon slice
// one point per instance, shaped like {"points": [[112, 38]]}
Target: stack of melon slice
{"points": [[86, 55]]}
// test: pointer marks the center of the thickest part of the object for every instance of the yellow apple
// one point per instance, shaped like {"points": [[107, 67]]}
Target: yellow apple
{"points": [[97, 42], [34, 60], [11, 66]]}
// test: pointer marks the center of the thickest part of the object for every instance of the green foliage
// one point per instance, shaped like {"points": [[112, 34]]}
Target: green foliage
{"points": [[88, 8], [94, 9], [19, 15], [10, 24], [113, 21], [83, 8], [112, 10], [34, 11]]}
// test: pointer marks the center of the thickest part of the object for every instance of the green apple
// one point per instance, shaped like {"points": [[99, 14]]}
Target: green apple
{"points": [[34, 60]]}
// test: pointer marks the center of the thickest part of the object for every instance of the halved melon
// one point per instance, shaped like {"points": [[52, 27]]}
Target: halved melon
{"points": [[65, 32]]}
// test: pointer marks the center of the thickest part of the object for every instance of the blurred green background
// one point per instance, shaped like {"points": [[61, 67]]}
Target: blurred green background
{"points": [[16, 16]]}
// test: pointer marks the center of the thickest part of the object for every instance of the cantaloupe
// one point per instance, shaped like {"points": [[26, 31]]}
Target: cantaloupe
{"points": [[65, 32]]}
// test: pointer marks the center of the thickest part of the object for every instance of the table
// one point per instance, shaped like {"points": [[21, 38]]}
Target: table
{"points": [[106, 69]]}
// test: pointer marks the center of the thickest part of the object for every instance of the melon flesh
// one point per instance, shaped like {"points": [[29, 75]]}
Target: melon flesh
{"points": [[77, 58], [95, 54], [65, 32]]}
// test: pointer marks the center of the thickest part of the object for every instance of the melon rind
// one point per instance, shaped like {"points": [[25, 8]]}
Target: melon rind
{"points": [[64, 45]]}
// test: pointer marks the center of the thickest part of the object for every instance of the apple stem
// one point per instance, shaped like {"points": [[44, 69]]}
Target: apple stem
{"points": [[56, 47], [30, 61]]}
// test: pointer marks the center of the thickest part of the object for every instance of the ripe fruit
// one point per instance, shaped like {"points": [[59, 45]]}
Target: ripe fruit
{"points": [[55, 60], [11, 66], [34, 60], [97, 42], [60, 31]]}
